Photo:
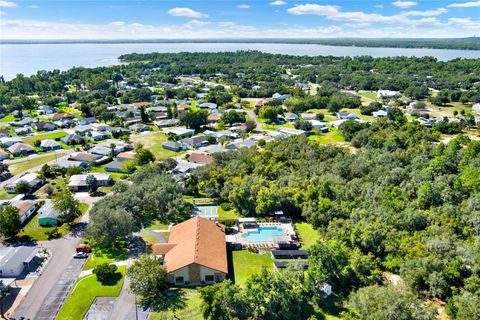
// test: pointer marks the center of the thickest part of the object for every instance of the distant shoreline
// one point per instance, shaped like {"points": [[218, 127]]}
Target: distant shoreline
{"points": [[472, 43]]}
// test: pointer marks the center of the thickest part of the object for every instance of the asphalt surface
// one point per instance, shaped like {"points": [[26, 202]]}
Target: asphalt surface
{"points": [[46, 295], [253, 117]]}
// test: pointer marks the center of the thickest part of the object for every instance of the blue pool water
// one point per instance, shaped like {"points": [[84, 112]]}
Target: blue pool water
{"points": [[263, 234]]}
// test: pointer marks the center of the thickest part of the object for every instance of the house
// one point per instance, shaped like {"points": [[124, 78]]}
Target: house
{"points": [[166, 123], [72, 139], [42, 110], [87, 121], [9, 141], [126, 156], [47, 215], [4, 133], [100, 135], [82, 130], [195, 142], [14, 261], [387, 94], [3, 155], [261, 103], [318, 125], [102, 151], [195, 254], [65, 164], [379, 114], [21, 149], [184, 167], [117, 131], [44, 126], [213, 118], [31, 179], [133, 120], [290, 117], [84, 157], [78, 182], [291, 132], [116, 166], [60, 116], [182, 107], [24, 122], [476, 108], [347, 116], [22, 131], [173, 146], [278, 96], [308, 115], [200, 158], [181, 132], [49, 144], [25, 209], [249, 143], [139, 127], [208, 105], [224, 134], [425, 122]]}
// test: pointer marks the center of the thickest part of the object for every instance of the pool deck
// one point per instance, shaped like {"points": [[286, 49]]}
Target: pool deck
{"points": [[287, 227]]}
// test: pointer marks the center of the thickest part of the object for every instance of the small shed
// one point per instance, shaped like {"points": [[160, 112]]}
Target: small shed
{"points": [[48, 215]]}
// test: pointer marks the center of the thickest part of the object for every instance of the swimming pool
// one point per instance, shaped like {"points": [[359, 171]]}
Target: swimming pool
{"points": [[263, 234]]}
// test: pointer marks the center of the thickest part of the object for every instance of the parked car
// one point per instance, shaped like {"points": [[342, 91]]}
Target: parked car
{"points": [[83, 248], [80, 255]]}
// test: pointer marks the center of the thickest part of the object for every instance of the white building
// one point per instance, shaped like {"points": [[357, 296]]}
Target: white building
{"points": [[15, 260]]}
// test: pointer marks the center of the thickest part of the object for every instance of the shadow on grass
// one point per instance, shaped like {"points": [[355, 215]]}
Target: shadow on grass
{"points": [[175, 300], [231, 270]]}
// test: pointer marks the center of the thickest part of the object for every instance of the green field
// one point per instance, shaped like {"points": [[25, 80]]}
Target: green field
{"points": [[227, 215], [153, 142], [369, 96], [333, 136], [8, 118], [4, 195], [29, 163], [33, 232], [84, 291], [50, 135], [157, 225], [190, 301], [308, 236], [246, 263]]}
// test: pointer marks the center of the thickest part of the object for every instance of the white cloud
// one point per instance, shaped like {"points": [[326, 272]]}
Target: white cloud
{"points": [[186, 12], [470, 4], [379, 6], [278, 3], [196, 24], [8, 4], [465, 22], [235, 27], [243, 6], [2, 13], [117, 23], [334, 13], [404, 4]]}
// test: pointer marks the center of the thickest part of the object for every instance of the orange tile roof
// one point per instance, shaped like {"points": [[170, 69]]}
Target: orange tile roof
{"points": [[197, 240], [24, 206], [200, 158]]}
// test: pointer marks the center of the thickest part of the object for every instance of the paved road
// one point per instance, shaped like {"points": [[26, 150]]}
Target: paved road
{"points": [[63, 156], [44, 298], [125, 308], [253, 117]]}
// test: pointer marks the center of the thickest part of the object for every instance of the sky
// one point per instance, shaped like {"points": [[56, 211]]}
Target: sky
{"points": [[159, 19]]}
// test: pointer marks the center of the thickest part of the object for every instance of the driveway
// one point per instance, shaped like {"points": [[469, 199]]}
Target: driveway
{"points": [[253, 117], [45, 297]]}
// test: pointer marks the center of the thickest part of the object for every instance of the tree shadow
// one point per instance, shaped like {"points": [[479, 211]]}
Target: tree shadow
{"points": [[175, 300]]}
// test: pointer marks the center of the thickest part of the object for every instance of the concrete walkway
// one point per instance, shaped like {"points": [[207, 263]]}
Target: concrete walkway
{"points": [[90, 271]]}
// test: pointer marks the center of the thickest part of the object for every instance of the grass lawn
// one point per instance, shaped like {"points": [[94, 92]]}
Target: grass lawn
{"points": [[153, 142], [157, 225], [190, 309], [8, 118], [84, 291], [369, 95], [4, 195], [49, 135], [333, 136], [149, 238], [32, 231], [115, 175], [246, 263], [227, 215], [28, 163], [308, 236]]}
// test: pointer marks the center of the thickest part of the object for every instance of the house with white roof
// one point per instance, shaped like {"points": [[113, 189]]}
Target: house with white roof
{"points": [[78, 182], [49, 144]]}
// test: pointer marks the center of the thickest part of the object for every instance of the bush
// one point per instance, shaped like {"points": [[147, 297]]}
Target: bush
{"points": [[53, 234], [105, 273], [226, 206]]}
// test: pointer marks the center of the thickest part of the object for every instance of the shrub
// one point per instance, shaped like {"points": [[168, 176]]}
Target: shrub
{"points": [[105, 272]]}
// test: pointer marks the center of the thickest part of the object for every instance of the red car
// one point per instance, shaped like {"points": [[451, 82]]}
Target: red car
{"points": [[83, 248]]}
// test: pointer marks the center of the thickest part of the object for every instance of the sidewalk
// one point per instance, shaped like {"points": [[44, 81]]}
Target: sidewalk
{"points": [[90, 271]]}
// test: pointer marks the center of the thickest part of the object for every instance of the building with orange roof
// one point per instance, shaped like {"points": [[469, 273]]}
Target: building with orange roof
{"points": [[195, 254]]}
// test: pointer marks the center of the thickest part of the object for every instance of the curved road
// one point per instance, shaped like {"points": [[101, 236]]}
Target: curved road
{"points": [[254, 118]]}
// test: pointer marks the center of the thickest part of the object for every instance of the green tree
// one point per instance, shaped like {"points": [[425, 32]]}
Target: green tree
{"points": [[66, 204], [108, 225], [22, 187], [148, 281], [388, 302], [194, 119], [105, 272], [9, 221], [91, 182], [144, 156], [270, 113]]}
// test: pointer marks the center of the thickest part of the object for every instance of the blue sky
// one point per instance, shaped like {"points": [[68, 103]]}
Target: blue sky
{"points": [[237, 19]]}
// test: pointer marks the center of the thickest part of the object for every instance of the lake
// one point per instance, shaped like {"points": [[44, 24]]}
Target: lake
{"points": [[29, 58]]}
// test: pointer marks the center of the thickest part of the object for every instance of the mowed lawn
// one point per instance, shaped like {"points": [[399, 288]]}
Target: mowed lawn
{"points": [[246, 263], [49, 135], [333, 136], [189, 300], [153, 142], [29, 163], [84, 291], [308, 236]]}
